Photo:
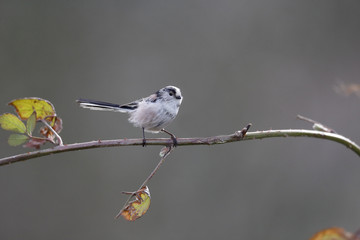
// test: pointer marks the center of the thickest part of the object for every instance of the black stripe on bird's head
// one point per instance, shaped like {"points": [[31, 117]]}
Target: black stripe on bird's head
{"points": [[169, 93], [173, 92]]}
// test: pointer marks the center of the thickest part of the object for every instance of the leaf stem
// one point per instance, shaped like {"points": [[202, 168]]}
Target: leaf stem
{"points": [[162, 160], [54, 132]]}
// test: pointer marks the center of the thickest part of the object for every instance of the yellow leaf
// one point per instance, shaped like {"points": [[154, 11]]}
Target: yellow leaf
{"points": [[139, 206], [26, 106], [334, 233], [11, 122]]}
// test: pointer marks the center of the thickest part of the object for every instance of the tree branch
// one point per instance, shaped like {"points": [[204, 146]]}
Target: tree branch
{"points": [[222, 139]]}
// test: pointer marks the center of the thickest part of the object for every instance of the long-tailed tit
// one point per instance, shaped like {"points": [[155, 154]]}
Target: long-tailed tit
{"points": [[152, 113]]}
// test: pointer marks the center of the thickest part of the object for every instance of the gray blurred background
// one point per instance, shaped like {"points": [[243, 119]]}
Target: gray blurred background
{"points": [[236, 62]]}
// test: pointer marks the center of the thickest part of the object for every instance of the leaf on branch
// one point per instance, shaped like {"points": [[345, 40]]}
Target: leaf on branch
{"points": [[30, 123], [32, 110], [55, 123], [334, 233], [17, 139], [139, 206], [26, 106], [11, 122]]}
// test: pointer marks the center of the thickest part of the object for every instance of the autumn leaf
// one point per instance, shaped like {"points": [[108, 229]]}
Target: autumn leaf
{"points": [[11, 122], [35, 143], [334, 233], [55, 123], [26, 106], [139, 206], [32, 110]]}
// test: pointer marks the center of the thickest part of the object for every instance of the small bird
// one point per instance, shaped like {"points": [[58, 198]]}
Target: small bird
{"points": [[152, 113]]}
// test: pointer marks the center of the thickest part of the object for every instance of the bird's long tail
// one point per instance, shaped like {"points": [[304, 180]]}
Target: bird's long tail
{"points": [[105, 106]]}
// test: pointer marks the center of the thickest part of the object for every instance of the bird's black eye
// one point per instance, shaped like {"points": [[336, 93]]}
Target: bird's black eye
{"points": [[170, 93]]}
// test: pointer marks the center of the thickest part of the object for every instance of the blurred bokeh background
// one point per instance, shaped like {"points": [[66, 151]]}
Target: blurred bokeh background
{"points": [[236, 62]]}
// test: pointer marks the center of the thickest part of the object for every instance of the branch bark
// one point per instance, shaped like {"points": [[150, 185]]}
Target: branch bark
{"points": [[221, 139]]}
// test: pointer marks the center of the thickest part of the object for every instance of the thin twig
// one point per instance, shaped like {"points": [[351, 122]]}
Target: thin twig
{"points": [[222, 139], [54, 132], [306, 119], [168, 151], [317, 125], [162, 160]]}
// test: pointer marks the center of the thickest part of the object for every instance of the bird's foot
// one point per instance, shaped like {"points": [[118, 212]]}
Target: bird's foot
{"points": [[144, 142], [173, 138]]}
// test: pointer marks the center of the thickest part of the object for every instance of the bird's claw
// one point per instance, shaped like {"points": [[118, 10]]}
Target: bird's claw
{"points": [[144, 142], [175, 142]]}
